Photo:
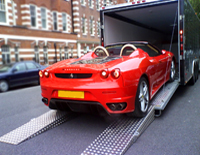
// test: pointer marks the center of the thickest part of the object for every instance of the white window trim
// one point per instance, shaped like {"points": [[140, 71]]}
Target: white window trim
{"points": [[46, 18]]}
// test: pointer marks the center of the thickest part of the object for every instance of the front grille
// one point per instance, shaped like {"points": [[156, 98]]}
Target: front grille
{"points": [[73, 75]]}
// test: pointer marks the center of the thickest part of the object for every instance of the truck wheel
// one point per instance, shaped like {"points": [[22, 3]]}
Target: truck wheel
{"points": [[172, 71], [197, 71], [142, 98], [193, 79], [4, 86]]}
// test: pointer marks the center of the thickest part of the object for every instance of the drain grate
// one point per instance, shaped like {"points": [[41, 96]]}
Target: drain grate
{"points": [[35, 127]]}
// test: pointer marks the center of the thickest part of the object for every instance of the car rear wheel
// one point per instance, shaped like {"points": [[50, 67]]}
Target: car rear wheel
{"points": [[142, 99], [172, 71], [4, 86]]}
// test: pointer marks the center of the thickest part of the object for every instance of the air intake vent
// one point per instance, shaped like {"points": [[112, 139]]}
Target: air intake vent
{"points": [[73, 75]]}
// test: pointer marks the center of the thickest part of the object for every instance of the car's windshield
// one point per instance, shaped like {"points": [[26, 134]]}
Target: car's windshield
{"points": [[5, 68], [114, 49]]}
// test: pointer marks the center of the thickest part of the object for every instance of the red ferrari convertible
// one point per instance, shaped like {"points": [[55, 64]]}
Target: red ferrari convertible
{"points": [[119, 78]]}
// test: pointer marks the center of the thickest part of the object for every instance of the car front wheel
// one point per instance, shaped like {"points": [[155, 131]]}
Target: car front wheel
{"points": [[4, 86]]}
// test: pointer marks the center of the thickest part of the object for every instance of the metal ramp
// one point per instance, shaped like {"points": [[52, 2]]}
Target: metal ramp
{"points": [[36, 126], [119, 136], [114, 140], [161, 99]]}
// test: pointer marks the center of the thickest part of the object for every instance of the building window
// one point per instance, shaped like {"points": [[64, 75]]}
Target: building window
{"points": [[2, 11], [83, 25], [66, 52], [91, 26], [16, 53], [5, 54], [98, 28], [55, 22], [64, 21], [90, 3], [71, 52], [43, 18], [37, 58], [85, 50], [82, 2], [60, 54], [104, 2], [97, 4], [45, 55], [33, 15]]}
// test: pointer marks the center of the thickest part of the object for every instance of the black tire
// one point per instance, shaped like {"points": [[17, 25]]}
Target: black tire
{"points": [[141, 99], [193, 79], [4, 86], [197, 71], [172, 71]]}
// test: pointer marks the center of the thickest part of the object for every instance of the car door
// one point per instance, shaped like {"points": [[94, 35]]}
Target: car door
{"points": [[18, 75], [32, 72], [161, 60]]}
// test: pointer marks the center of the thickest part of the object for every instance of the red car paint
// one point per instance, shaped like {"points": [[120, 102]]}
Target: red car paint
{"points": [[107, 90]]}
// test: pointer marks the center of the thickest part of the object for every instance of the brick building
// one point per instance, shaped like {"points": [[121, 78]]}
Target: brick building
{"points": [[48, 30]]}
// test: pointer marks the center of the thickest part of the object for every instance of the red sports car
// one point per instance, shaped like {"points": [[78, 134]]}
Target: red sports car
{"points": [[119, 78]]}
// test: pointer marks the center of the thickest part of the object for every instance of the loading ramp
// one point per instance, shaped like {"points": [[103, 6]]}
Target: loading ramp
{"points": [[115, 139]]}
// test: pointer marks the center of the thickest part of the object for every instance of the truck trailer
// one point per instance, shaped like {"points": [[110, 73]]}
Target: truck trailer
{"points": [[171, 25]]}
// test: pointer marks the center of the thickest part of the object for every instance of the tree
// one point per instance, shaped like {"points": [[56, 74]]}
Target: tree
{"points": [[196, 6]]}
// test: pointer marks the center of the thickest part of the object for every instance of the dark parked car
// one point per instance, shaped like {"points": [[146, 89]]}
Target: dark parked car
{"points": [[19, 73]]}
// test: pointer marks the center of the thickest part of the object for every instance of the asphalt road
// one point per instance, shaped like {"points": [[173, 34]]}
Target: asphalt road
{"points": [[175, 132]]}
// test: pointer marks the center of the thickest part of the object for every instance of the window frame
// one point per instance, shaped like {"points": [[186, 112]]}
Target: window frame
{"points": [[55, 21], [90, 3], [31, 5], [98, 28], [66, 22], [37, 54], [97, 5], [16, 50], [82, 2], [45, 55], [91, 26], [6, 54], [83, 20], [66, 49], [3, 9], [43, 18]]}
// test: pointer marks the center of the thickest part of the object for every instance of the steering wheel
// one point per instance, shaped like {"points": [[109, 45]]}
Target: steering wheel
{"points": [[127, 45], [101, 51]]}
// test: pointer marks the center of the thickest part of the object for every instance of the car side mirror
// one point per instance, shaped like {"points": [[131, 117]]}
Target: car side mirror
{"points": [[14, 70], [163, 52]]}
